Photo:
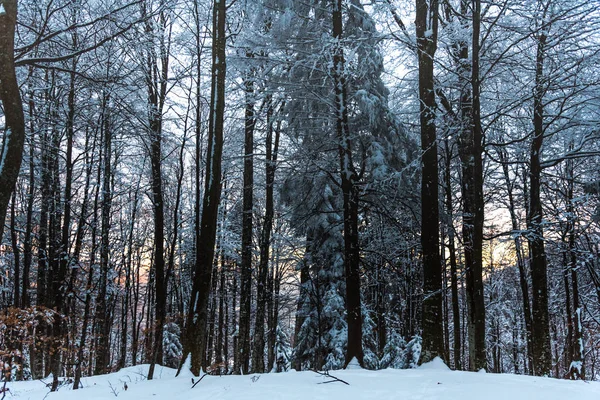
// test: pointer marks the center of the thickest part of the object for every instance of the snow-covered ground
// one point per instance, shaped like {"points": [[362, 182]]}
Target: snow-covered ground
{"points": [[427, 382]]}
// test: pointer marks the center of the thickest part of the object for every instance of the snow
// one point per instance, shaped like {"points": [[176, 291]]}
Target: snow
{"points": [[353, 364], [435, 365], [2, 10], [431, 381]]}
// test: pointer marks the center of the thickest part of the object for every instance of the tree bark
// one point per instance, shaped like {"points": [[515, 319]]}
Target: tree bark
{"points": [[11, 153], [195, 338], [221, 325], [350, 190], [265, 296], [426, 23], [246, 265], [470, 152], [457, 343], [14, 236], [90, 277], [156, 81], [270, 169], [542, 355], [577, 366], [102, 316]]}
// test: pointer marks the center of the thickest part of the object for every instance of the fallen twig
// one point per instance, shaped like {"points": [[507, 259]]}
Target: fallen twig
{"points": [[328, 375], [4, 390], [198, 381]]}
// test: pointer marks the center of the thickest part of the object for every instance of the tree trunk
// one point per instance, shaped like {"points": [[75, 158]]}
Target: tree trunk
{"points": [[212, 311], [128, 276], [457, 345], [246, 265], [470, 152], [42, 242], [303, 297], [234, 322], [265, 296], [221, 334], [27, 242], [90, 278], [63, 261], [426, 24], [350, 190], [520, 262], [14, 119], [82, 220], [101, 315], [159, 236], [156, 81], [195, 338], [542, 355], [14, 235], [568, 346], [577, 366]]}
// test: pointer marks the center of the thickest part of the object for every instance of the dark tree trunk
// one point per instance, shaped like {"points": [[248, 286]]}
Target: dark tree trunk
{"points": [[159, 236], [577, 366], [14, 236], [213, 312], [457, 343], [226, 298], [270, 169], [234, 321], [221, 334], [246, 265], [426, 23], [470, 152], [273, 337], [148, 302], [90, 277], [265, 296], [445, 305], [569, 338], [157, 69], [14, 119], [195, 338], [271, 320], [101, 315], [135, 323], [42, 242], [63, 261], [27, 242], [350, 190], [159, 260], [380, 311], [54, 296], [542, 355]]}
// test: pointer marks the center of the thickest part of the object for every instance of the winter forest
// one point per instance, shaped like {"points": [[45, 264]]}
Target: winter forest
{"points": [[252, 186]]}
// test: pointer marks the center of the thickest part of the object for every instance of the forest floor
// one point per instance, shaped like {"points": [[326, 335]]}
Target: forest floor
{"points": [[433, 381]]}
